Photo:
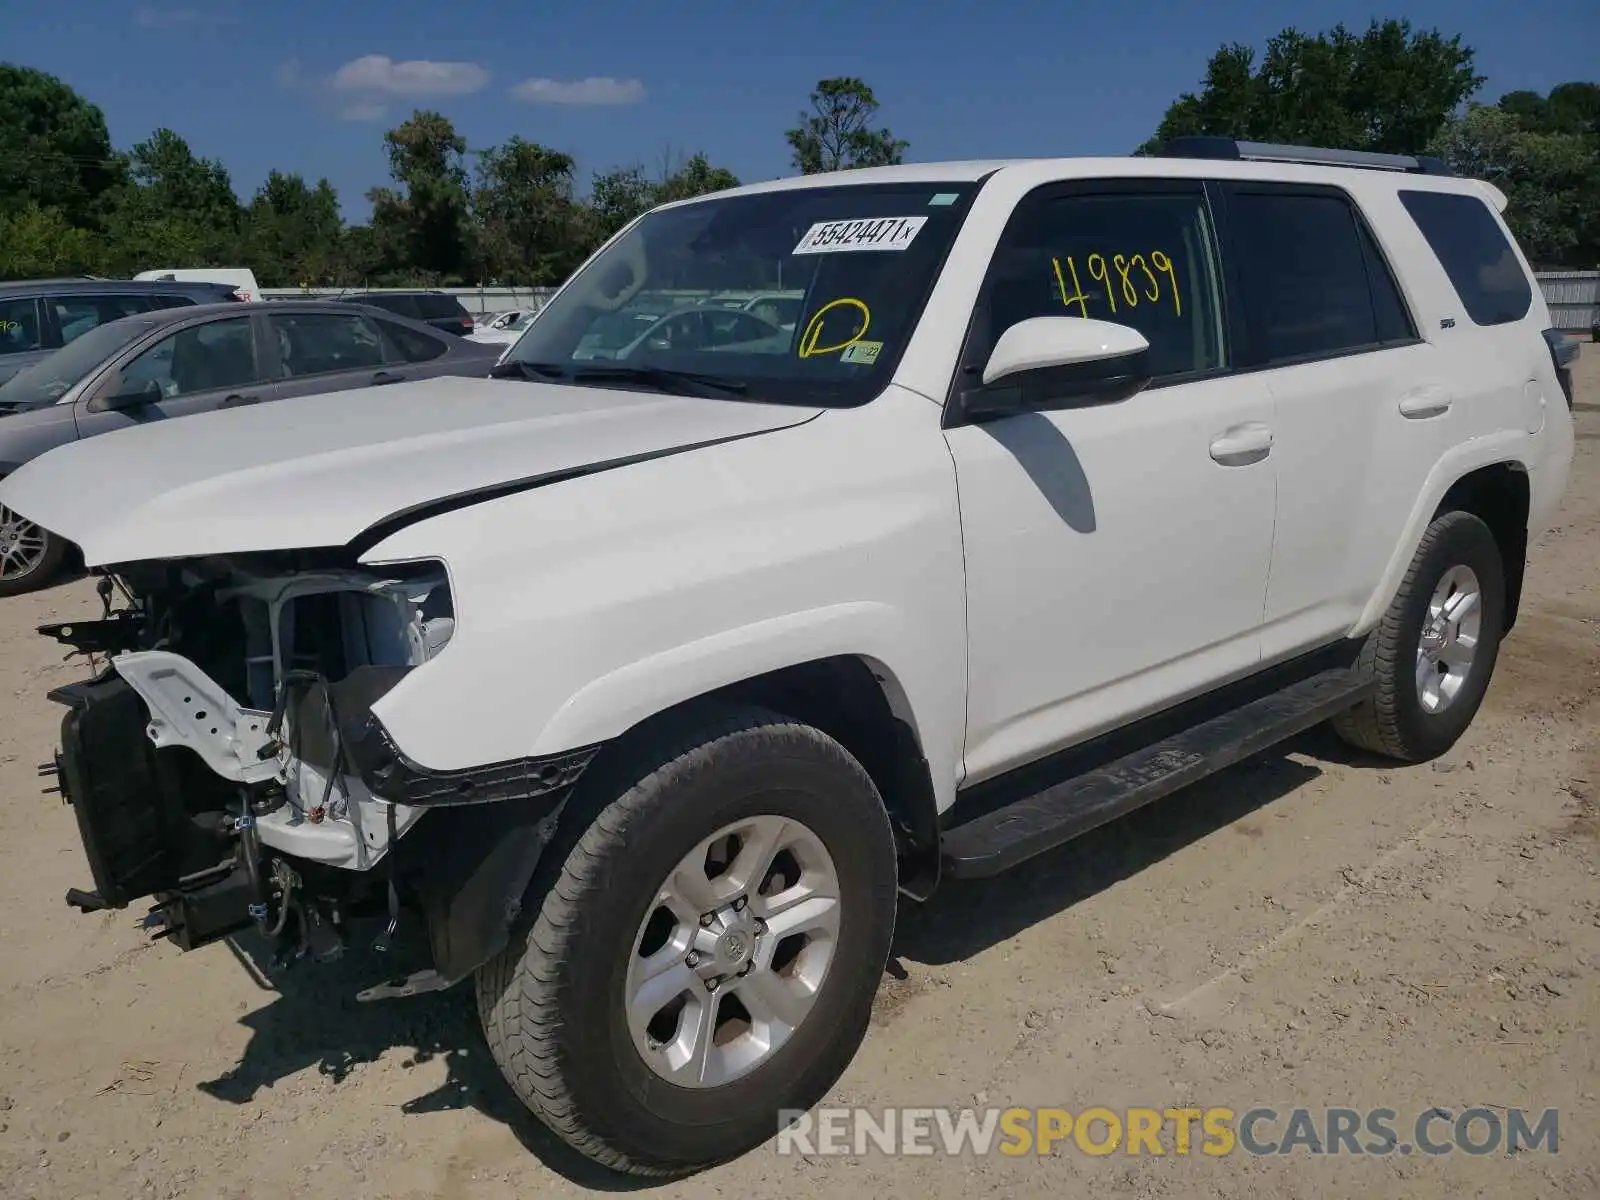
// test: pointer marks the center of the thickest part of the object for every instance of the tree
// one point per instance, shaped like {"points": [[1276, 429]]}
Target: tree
{"points": [[41, 243], [617, 197], [178, 210], [54, 148], [529, 228], [835, 134], [1551, 180], [620, 195], [292, 232], [1389, 90], [1569, 108], [423, 224], [696, 177]]}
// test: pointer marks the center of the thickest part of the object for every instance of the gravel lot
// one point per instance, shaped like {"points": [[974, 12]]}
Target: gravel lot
{"points": [[1307, 929]]}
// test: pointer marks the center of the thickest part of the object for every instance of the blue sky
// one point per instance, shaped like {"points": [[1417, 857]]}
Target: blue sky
{"points": [[311, 87]]}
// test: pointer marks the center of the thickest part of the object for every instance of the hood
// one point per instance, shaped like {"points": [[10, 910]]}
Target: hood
{"points": [[319, 471]]}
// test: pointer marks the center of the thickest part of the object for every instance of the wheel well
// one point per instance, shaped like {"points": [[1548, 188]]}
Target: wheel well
{"points": [[847, 699], [1498, 496]]}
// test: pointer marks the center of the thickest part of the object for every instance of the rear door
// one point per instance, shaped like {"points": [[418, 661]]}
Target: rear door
{"points": [[200, 367], [410, 353], [1357, 397], [328, 352]]}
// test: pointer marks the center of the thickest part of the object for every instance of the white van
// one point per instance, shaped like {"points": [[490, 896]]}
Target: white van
{"points": [[241, 280]]}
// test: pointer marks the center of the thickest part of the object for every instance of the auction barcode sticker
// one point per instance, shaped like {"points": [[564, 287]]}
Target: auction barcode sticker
{"points": [[872, 233]]}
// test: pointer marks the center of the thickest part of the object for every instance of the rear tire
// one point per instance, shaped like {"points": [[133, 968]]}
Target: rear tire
{"points": [[1434, 650], [30, 557], [565, 1015]]}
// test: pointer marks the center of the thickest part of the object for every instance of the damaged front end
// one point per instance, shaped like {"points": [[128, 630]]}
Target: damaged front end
{"points": [[226, 762]]}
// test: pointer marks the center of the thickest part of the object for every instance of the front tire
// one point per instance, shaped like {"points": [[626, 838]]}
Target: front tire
{"points": [[1435, 649], [713, 922], [30, 557]]}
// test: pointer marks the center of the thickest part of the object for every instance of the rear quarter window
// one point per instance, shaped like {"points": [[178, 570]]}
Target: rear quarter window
{"points": [[1475, 253], [408, 345], [433, 307]]}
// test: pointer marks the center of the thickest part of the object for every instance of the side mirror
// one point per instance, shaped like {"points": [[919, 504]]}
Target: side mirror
{"points": [[113, 396], [1047, 363]]}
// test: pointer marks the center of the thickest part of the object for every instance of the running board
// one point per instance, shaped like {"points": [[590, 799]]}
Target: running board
{"points": [[999, 840]]}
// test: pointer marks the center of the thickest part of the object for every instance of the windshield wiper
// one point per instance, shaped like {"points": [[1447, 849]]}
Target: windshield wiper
{"points": [[682, 383], [517, 369]]}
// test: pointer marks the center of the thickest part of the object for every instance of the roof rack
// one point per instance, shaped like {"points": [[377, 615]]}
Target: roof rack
{"points": [[1208, 146]]}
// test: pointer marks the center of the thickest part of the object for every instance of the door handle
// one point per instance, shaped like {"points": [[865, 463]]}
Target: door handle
{"points": [[236, 400], [1242, 445], [386, 377], [1424, 402]]}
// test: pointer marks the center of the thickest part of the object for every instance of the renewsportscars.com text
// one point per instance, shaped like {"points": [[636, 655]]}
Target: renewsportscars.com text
{"points": [[1213, 1132]]}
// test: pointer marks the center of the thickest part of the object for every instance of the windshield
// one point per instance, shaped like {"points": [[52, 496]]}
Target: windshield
{"points": [[800, 296], [46, 380]]}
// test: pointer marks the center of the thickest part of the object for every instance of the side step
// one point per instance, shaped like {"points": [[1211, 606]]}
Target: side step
{"points": [[999, 840]]}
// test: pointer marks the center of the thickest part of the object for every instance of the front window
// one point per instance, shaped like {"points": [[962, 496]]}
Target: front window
{"points": [[841, 272], [200, 358], [47, 381]]}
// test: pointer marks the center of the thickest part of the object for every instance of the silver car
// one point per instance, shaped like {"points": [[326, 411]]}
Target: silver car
{"points": [[172, 362]]}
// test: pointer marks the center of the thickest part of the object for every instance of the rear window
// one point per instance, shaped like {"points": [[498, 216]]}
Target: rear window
{"points": [[409, 344], [432, 307], [404, 305], [1303, 270], [1475, 254]]}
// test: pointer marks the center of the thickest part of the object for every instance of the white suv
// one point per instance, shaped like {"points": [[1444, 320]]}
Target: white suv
{"points": [[648, 685]]}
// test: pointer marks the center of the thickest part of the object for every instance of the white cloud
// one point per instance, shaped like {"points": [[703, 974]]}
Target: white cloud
{"points": [[594, 90], [378, 74]]}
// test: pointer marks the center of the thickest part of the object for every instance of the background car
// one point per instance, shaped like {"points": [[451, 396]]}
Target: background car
{"points": [[38, 317], [173, 362], [502, 333], [500, 320], [781, 308], [241, 279], [439, 309], [702, 327]]}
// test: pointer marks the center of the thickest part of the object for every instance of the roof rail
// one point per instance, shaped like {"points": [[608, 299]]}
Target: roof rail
{"points": [[1207, 146]]}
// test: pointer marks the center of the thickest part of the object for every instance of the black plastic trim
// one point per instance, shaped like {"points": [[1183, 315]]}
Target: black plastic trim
{"points": [[1034, 824], [391, 775], [392, 524]]}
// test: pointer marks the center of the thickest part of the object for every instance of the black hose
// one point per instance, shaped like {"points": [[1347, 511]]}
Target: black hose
{"points": [[250, 846]]}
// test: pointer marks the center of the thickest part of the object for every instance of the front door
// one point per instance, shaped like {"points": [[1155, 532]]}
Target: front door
{"points": [[1117, 555], [213, 364]]}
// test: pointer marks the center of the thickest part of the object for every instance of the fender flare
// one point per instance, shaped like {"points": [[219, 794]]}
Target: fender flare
{"points": [[1508, 447]]}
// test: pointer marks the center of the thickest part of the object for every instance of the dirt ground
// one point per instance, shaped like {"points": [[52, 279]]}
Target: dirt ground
{"points": [[1307, 929]]}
